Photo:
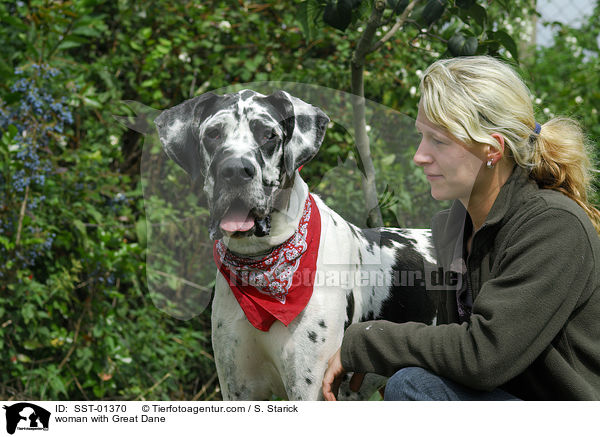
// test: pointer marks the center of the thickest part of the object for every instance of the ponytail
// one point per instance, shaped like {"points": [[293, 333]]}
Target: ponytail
{"points": [[561, 162]]}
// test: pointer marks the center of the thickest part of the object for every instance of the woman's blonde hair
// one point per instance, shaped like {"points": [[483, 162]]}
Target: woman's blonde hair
{"points": [[473, 97]]}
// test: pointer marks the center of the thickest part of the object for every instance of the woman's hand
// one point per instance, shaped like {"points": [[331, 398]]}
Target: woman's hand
{"points": [[333, 377]]}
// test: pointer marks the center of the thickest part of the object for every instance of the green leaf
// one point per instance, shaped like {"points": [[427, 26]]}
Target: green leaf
{"points": [[87, 31], [507, 41], [388, 160], [12, 131], [6, 243], [141, 231], [95, 214], [337, 15], [165, 42], [57, 384], [433, 11], [465, 4], [397, 6], [80, 226], [68, 44], [92, 102], [135, 46], [28, 312], [31, 344], [479, 14], [15, 22], [22, 358], [304, 17]]}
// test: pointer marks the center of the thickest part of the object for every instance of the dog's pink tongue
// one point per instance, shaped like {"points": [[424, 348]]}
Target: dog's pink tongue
{"points": [[235, 221]]}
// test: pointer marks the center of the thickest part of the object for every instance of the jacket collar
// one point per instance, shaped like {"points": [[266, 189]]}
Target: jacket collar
{"points": [[448, 226]]}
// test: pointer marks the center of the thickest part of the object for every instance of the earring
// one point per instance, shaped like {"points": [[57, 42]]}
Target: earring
{"points": [[490, 164]]}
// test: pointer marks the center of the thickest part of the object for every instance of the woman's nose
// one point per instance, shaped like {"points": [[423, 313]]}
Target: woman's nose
{"points": [[421, 157]]}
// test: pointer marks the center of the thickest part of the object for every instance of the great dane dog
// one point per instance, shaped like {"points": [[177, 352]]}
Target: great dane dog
{"points": [[244, 150]]}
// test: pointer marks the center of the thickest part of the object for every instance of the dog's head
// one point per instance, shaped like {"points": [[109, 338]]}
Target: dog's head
{"points": [[241, 149]]}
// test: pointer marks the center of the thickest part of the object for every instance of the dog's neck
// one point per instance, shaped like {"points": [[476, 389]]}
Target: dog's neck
{"points": [[284, 222]]}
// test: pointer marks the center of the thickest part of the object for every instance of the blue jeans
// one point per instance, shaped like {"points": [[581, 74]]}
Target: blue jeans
{"points": [[417, 384]]}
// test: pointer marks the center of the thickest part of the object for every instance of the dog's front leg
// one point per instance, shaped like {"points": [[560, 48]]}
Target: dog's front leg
{"points": [[244, 371], [297, 359]]}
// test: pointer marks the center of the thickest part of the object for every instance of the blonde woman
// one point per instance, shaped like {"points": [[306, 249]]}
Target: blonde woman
{"points": [[524, 321]]}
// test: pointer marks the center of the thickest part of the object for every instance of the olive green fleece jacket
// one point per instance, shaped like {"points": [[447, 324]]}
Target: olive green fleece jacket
{"points": [[534, 330]]}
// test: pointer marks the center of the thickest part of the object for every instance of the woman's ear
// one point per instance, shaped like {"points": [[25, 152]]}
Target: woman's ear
{"points": [[494, 154]]}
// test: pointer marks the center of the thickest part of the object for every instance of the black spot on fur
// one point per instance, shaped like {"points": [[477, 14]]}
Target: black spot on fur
{"points": [[304, 156], [282, 111], [349, 310], [353, 230], [323, 340], [382, 237], [308, 381], [370, 316], [246, 94], [312, 336], [304, 123], [184, 147], [407, 299], [322, 324], [259, 158]]}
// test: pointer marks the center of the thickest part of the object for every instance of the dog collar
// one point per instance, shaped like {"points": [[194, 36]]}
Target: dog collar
{"points": [[278, 286]]}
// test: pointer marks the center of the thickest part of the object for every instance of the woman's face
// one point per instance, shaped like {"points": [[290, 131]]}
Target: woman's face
{"points": [[451, 166]]}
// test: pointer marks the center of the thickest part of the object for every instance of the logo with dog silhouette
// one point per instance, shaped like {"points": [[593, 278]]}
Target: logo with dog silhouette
{"points": [[26, 417]]}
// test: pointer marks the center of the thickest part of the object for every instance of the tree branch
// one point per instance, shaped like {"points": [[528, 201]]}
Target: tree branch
{"points": [[151, 389], [205, 387], [359, 119], [72, 348], [21, 216], [397, 25]]}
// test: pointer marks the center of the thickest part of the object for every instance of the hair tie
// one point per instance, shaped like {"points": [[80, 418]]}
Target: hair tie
{"points": [[538, 128]]}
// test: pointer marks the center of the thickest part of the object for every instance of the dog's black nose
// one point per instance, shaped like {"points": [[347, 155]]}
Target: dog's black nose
{"points": [[238, 170]]}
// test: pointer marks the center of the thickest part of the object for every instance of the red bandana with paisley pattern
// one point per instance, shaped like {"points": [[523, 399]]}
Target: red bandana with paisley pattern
{"points": [[278, 286]]}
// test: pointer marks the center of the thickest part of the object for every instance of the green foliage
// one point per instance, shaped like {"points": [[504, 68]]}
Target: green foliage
{"points": [[564, 80], [458, 28], [77, 317], [75, 320]]}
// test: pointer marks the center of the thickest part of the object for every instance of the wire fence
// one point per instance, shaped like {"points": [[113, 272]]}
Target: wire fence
{"points": [[569, 12]]}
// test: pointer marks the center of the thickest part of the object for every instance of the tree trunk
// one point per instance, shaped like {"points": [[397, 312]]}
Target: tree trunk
{"points": [[363, 47]]}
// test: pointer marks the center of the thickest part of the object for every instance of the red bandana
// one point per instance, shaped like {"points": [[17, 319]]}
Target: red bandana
{"points": [[278, 286]]}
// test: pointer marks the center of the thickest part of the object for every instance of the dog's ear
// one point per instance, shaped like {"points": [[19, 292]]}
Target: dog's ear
{"points": [[178, 132], [304, 128]]}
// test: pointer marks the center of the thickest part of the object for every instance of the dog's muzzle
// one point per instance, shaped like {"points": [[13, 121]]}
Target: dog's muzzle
{"points": [[237, 218]]}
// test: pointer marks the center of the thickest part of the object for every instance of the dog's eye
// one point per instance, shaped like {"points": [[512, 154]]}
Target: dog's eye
{"points": [[269, 142], [270, 136], [213, 134]]}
